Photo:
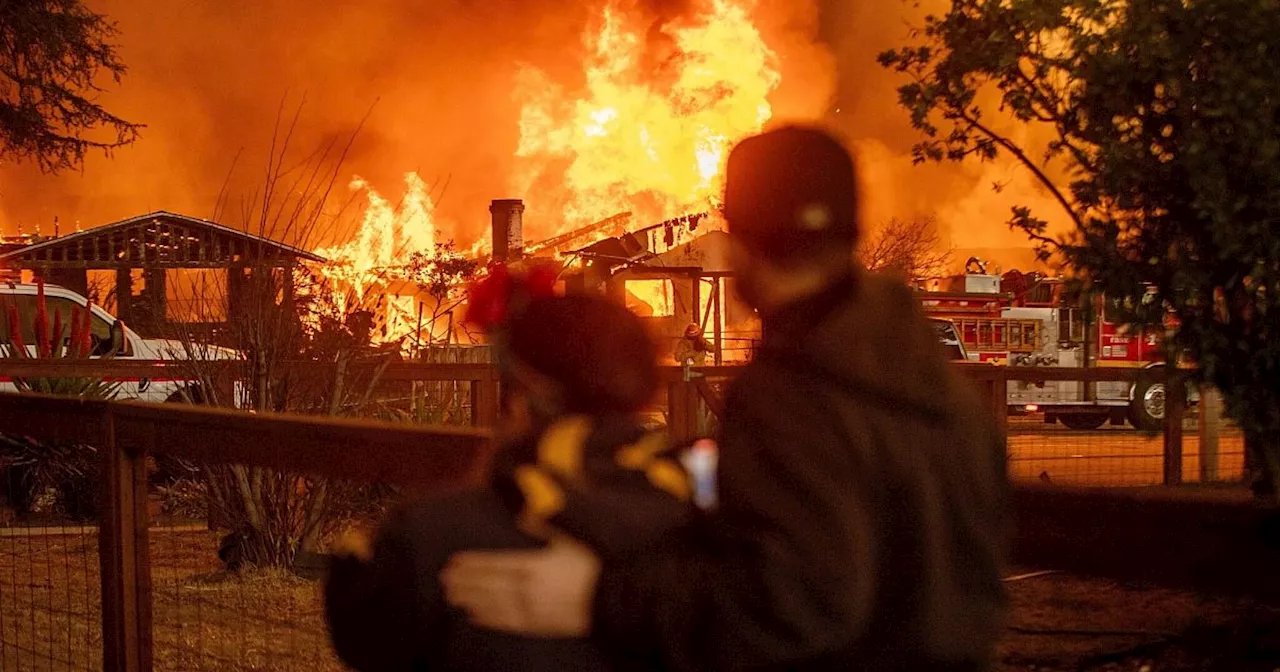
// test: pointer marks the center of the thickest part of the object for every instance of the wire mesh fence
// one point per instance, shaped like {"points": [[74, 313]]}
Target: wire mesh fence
{"points": [[1114, 455], [50, 597], [231, 595], [1060, 439]]}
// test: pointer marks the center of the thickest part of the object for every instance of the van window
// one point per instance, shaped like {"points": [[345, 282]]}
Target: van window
{"points": [[26, 305]]}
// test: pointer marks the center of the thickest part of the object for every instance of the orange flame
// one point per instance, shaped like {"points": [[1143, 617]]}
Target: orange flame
{"points": [[377, 257], [388, 233], [650, 132]]}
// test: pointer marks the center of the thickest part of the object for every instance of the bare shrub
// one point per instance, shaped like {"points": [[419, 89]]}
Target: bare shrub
{"points": [[909, 248]]}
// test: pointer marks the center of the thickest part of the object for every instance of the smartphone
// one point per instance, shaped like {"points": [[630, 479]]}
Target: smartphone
{"points": [[700, 461]]}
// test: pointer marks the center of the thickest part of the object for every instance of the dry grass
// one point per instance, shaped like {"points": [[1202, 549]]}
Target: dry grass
{"points": [[50, 603], [206, 619]]}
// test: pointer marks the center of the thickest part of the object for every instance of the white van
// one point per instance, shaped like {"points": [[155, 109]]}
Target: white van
{"points": [[108, 335]]}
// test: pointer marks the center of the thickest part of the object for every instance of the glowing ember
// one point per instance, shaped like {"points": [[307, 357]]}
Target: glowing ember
{"points": [[650, 132]]}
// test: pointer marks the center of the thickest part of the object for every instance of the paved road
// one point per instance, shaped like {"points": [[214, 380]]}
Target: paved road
{"points": [[1112, 456]]}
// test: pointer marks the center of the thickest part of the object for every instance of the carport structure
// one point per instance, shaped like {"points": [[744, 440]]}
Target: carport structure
{"points": [[150, 255]]}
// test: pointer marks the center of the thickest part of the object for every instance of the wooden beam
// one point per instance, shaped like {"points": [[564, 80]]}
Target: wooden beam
{"points": [[485, 401], [124, 294], [54, 418], [417, 456], [428, 371]]}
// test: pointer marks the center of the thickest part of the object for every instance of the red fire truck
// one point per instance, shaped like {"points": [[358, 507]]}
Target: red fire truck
{"points": [[1024, 320]]}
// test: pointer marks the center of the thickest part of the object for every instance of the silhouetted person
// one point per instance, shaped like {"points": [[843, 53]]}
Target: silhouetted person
{"points": [[575, 460], [862, 488]]}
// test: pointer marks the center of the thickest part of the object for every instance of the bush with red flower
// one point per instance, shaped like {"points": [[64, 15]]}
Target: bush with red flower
{"points": [[68, 337], [50, 478]]}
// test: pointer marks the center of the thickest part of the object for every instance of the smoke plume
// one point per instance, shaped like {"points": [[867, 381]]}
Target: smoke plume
{"points": [[209, 78]]}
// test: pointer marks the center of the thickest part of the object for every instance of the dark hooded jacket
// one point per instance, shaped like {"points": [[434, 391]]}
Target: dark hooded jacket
{"points": [[862, 518], [605, 481]]}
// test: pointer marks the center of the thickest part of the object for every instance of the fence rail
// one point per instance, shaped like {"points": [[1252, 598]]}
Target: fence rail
{"points": [[1067, 519], [692, 401]]}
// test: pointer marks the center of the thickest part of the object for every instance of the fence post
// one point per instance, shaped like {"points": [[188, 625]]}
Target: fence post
{"points": [[124, 558], [1175, 405], [1210, 431], [484, 403], [682, 419], [999, 398]]}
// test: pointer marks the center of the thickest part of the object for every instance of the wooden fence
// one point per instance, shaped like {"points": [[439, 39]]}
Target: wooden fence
{"points": [[1201, 542]]}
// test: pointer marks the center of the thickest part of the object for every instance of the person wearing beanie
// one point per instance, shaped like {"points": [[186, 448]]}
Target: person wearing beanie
{"points": [[574, 462], [862, 517]]}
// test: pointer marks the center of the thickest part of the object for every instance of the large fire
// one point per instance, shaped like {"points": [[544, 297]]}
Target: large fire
{"points": [[647, 134], [388, 233], [373, 269], [650, 132]]}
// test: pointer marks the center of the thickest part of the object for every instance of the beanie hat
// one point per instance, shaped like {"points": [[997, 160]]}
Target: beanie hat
{"points": [[790, 193]]}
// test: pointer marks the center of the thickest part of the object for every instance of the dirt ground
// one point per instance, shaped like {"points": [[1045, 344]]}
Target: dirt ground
{"points": [[206, 619], [1062, 622]]}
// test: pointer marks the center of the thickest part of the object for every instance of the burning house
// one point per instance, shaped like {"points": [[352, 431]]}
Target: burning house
{"points": [[673, 276]]}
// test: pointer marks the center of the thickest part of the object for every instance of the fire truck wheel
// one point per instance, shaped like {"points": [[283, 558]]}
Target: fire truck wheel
{"points": [[1083, 421], [1146, 410]]}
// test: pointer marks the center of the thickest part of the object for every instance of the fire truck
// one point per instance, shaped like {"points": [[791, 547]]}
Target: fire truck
{"points": [[1026, 320]]}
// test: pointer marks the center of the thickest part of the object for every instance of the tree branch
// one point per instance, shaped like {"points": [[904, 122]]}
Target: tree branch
{"points": [[1026, 161]]}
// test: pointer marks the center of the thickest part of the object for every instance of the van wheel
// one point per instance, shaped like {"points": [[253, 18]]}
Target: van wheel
{"points": [[1083, 421], [1146, 410]]}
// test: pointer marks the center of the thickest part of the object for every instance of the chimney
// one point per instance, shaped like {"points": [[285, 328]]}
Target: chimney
{"points": [[508, 229]]}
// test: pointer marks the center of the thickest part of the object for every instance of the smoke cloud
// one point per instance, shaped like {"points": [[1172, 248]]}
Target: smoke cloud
{"points": [[969, 208], [208, 79]]}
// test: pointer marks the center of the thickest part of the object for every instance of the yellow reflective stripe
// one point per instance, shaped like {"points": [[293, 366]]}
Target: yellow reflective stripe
{"points": [[662, 474], [642, 452], [543, 497], [561, 446], [665, 475]]}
